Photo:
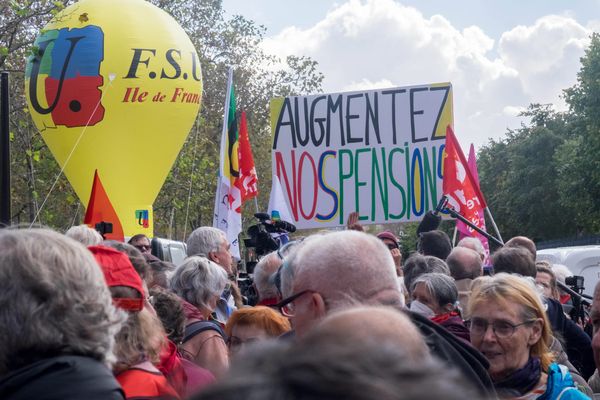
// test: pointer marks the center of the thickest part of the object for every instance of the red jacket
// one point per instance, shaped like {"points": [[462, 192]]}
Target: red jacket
{"points": [[146, 382]]}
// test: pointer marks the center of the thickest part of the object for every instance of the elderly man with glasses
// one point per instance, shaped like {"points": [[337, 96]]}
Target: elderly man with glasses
{"points": [[141, 242], [338, 270]]}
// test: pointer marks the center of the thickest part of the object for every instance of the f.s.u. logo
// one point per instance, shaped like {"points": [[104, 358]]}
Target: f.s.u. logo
{"points": [[66, 70]]}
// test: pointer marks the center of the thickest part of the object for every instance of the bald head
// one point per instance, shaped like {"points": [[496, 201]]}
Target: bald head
{"points": [[342, 266], [473, 244], [524, 242], [380, 325], [335, 270], [464, 263]]}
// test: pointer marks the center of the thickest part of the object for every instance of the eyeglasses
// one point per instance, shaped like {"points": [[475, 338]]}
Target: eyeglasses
{"points": [[391, 246], [286, 248], [286, 306], [235, 342], [142, 247], [502, 329]]}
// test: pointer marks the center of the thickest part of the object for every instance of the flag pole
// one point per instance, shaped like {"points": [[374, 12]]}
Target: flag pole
{"points": [[454, 236], [489, 213], [226, 118], [256, 204]]}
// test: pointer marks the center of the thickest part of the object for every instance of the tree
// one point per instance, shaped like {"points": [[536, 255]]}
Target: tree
{"points": [[520, 178], [580, 170], [258, 77], [34, 170]]}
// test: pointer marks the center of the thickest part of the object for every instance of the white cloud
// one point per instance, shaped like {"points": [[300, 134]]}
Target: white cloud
{"points": [[546, 55], [366, 84], [379, 43]]}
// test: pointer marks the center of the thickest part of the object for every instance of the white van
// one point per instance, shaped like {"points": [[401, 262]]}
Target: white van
{"points": [[172, 251], [581, 260]]}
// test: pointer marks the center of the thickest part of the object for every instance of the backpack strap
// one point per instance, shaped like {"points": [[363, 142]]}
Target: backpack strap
{"points": [[200, 326]]}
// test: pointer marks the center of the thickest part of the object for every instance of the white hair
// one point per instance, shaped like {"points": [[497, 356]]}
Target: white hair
{"points": [[263, 270], [473, 244], [344, 266], [54, 300], [203, 240], [561, 272], [197, 280], [84, 234]]}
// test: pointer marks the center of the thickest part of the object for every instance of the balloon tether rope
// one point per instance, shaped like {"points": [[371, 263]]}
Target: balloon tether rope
{"points": [[110, 79]]}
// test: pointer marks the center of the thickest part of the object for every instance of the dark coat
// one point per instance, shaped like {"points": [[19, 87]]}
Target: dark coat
{"points": [[456, 353], [61, 378], [456, 326]]}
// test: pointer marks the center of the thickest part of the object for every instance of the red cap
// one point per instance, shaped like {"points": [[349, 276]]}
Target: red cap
{"points": [[118, 271], [387, 235]]}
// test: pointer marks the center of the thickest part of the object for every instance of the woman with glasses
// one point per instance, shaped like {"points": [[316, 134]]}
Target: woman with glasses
{"points": [[253, 324], [509, 326]]}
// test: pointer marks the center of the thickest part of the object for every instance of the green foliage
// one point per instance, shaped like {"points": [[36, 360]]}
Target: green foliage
{"points": [[258, 77]]}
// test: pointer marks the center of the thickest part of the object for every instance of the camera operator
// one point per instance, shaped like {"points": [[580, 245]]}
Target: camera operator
{"points": [[262, 260]]}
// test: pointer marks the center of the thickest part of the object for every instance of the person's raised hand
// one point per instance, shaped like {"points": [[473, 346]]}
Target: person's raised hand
{"points": [[352, 222]]}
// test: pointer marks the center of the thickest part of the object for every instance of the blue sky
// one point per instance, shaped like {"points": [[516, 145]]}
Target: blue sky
{"points": [[499, 55]]}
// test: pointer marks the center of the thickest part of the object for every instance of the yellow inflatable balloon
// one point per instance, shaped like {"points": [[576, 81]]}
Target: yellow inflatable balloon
{"points": [[115, 86]]}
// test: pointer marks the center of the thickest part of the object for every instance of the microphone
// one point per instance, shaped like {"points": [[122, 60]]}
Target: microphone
{"points": [[286, 226], [440, 206]]}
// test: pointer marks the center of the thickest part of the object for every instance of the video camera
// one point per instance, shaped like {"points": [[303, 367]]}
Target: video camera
{"points": [[264, 235], [575, 282]]}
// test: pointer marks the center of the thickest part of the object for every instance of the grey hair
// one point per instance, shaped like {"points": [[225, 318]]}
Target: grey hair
{"points": [[85, 235], [204, 240], [287, 271], [197, 280], [473, 244], [561, 271], [343, 266], [417, 265], [54, 300], [263, 270], [441, 286], [337, 368]]}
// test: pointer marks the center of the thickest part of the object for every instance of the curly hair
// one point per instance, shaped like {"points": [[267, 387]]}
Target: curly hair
{"points": [[197, 280]]}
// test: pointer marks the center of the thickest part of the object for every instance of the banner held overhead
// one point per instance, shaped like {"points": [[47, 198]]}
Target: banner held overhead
{"points": [[377, 152]]}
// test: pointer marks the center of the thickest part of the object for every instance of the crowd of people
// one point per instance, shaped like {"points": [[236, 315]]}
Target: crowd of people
{"points": [[338, 315]]}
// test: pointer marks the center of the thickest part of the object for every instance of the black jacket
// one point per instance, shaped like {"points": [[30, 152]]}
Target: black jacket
{"points": [[447, 347], [577, 344], [61, 378]]}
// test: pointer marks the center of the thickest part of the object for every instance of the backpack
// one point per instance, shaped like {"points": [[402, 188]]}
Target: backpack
{"points": [[200, 326]]}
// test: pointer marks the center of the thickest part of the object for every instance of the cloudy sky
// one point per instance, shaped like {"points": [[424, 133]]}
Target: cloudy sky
{"points": [[499, 55]]}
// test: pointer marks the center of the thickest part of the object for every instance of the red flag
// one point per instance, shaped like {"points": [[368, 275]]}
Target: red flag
{"points": [[460, 186], [464, 229], [100, 209], [247, 181], [459, 183]]}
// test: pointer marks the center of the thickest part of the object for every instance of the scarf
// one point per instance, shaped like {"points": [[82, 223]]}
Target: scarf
{"points": [[520, 381], [438, 319]]}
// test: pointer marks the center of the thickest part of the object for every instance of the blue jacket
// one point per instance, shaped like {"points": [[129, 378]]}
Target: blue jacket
{"points": [[560, 385]]}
